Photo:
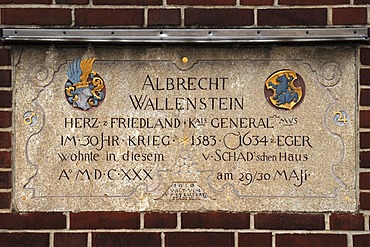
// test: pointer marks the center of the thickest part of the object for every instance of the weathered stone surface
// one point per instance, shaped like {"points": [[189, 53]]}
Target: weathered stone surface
{"points": [[185, 129]]}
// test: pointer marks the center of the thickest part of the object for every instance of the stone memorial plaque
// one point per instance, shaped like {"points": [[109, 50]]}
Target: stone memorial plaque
{"points": [[185, 128]]}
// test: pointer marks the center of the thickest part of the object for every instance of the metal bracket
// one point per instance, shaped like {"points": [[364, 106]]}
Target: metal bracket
{"points": [[187, 35]]}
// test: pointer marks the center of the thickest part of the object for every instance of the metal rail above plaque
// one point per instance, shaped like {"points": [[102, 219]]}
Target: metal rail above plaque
{"points": [[194, 128]]}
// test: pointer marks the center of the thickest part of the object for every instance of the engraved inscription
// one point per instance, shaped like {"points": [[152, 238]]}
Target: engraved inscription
{"points": [[231, 131]]}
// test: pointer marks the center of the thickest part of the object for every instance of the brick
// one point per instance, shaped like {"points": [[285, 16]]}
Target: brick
{"points": [[346, 221], [5, 200], [72, 2], [219, 17], [215, 220], [24, 239], [365, 159], [104, 17], [349, 16], [105, 220], [365, 200], [365, 97], [5, 78], [70, 239], [364, 139], [199, 239], [5, 119], [167, 17], [313, 2], [255, 239], [136, 239], [160, 220], [364, 119], [5, 180], [6, 99], [202, 2], [36, 16], [5, 159], [27, 1], [36, 220], [256, 2], [362, 1], [362, 240], [365, 56], [286, 221], [127, 2], [5, 139], [292, 17], [365, 181], [365, 76], [309, 240], [5, 57]]}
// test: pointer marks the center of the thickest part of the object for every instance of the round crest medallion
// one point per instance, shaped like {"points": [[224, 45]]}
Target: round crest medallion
{"points": [[285, 89]]}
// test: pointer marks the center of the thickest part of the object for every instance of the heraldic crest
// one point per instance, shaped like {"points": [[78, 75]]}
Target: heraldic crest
{"points": [[288, 89], [84, 88]]}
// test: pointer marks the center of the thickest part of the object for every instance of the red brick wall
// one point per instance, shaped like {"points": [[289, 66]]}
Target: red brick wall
{"points": [[184, 229]]}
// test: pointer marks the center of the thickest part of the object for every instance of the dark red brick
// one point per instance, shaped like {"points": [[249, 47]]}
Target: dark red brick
{"points": [[255, 239], [109, 17], [165, 17], [313, 2], [365, 159], [365, 97], [5, 200], [286, 221], [219, 17], [160, 220], [365, 200], [24, 239], [27, 1], [6, 99], [310, 240], [202, 2], [256, 2], [36, 16], [362, 1], [200, 239], [36, 220], [346, 221], [365, 56], [5, 78], [70, 239], [365, 181], [5, 57], [215, 220], [72, 1], [364, 139], [364, 119], [5, 139], [5, 119], [128, 2], [5, 180], [365, 76], [5, 159], [292, 17], [362, 240], [126, 239], [349, 16], [105, 220]]}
